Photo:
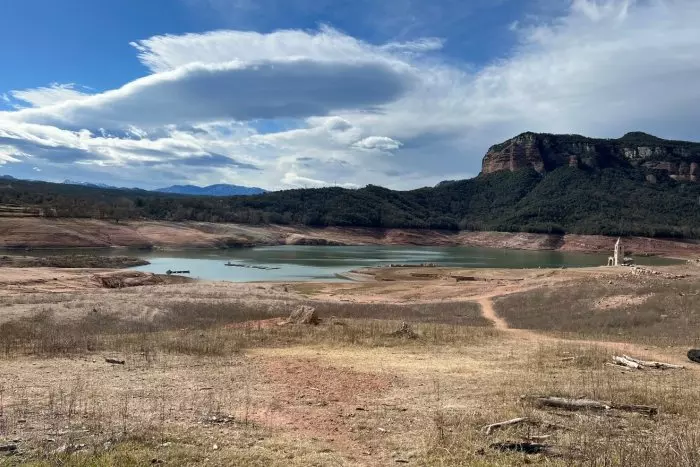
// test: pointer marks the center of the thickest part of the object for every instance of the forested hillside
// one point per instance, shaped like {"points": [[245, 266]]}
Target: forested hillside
{"points": [[610, 201]]}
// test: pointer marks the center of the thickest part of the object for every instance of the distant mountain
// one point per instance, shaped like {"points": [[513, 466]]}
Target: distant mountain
{"points": [[7, 177], [212, 190], [93, 185]]}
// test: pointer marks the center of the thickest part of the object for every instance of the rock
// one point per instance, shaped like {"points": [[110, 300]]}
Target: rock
{"points": [[405, 331], [121, 279], [546, 152], [694, 355], [303, 315]]}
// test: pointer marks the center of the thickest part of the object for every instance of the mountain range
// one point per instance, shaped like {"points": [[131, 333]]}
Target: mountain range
{"points": [[542, 183], [220, 189], [212, 190]]}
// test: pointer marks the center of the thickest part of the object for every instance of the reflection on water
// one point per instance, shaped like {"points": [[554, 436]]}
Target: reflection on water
{"points": [[297, 263]]}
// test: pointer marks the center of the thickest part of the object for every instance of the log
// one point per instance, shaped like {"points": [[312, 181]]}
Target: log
{"points": [[652, 364], [622, 361], [588, 404], [494, 426], [619, 367], [114, 361], [569, 404], [643, 409], [8, 447]]}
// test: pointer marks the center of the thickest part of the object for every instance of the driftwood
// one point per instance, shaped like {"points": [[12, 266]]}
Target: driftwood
{"points": [[622, 361], [568, 404], [588, 404], [114, 361], [644, 409], [8, 447], [637, 364], [619, 367], [495, 426], [652, 364]]}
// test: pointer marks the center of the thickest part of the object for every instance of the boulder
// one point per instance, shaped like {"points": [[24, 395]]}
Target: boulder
{"points": [[405, 331], [118, 280], [303, 315]]}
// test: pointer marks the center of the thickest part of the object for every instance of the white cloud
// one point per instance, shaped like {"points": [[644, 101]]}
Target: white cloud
{"points": [[164, 53], [45, 96], [603, 68], [296, 180], [286, 88], [381, 143]]}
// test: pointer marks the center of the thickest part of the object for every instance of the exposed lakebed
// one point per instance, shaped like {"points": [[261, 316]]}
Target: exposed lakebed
{"points": [[304, 263]]}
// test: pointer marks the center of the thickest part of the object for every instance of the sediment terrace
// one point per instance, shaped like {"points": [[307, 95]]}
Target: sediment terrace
{"points": [[88, 233]]}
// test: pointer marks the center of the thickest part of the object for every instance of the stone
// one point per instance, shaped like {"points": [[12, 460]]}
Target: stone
{"points": [[303, 315]]}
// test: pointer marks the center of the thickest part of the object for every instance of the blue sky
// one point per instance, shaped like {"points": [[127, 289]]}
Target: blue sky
{"points": [[285, 93]]}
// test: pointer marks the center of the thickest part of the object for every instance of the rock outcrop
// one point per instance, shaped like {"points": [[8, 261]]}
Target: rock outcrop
{"points": [[545, 152]]}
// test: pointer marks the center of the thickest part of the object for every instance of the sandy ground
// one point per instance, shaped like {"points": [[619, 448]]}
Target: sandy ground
{"points": [[70, 233]]}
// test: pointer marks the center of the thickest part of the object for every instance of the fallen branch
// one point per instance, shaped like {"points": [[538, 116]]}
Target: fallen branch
{"points": [[652, 364], [568, 404], [643, 409], [622, 361], [494, 426], [114, 361], [588, 404], [619, 367]]}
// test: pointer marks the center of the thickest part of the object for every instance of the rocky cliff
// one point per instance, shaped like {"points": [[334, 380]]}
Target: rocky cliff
{"points": [[545, 152]]}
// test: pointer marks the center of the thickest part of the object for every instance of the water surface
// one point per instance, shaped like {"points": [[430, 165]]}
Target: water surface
{"points": [[297, 263], [308, 263]]}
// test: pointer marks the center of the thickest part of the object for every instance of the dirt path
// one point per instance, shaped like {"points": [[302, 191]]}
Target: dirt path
{"points": [[489, 313]]}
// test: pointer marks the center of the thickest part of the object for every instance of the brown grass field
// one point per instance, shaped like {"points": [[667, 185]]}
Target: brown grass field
{"points": [[212, 377]]}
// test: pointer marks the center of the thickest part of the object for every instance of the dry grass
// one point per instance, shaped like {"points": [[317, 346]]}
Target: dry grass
{"points": [[582, 438], [71, 261], [669, 315], [209, 329], [345, 392]]}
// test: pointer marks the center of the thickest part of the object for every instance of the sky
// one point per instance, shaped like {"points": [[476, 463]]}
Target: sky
{"points": [[284, 94]]}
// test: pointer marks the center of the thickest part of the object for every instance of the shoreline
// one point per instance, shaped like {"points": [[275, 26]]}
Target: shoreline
{"points": [[22, 234]]}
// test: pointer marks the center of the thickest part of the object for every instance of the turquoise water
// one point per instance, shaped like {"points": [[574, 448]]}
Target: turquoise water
{"points": [[302, 263], [309, 263]]}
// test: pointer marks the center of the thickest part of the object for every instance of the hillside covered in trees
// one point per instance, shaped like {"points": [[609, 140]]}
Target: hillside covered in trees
{"points": [[609, 201]]}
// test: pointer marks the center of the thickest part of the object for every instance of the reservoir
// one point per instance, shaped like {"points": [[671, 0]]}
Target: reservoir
{"points": [[309, 263]]}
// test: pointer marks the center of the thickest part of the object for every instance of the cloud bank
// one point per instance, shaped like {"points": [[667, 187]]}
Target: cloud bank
{"points": [[312, 108]]}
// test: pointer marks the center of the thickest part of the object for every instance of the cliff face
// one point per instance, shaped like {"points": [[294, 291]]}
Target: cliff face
{"points": [[546, 152]]}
